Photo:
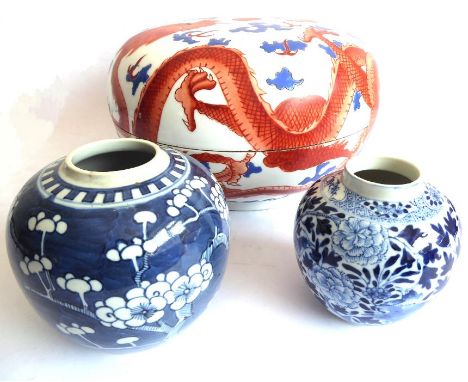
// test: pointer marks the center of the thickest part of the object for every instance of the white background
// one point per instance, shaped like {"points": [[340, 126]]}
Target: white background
{"points": [[263, 323]]}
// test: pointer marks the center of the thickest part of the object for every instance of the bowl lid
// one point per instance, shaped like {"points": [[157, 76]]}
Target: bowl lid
{"points": [[242, 85]]}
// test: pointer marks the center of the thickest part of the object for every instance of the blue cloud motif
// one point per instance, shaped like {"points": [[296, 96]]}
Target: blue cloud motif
{"points": [[252, 169], [294, 45], [297, 45], [284, 80], [184, 37], [260, 28], [272, 47], [329, 50], [140, 78], [356, 100], [318, 173], [219, 41]]}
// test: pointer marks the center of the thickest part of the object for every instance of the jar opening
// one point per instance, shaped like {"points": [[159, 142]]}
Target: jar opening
{"points": [[105, 156], [384, 170], [114, 163], [383, 178], [114, 160]]}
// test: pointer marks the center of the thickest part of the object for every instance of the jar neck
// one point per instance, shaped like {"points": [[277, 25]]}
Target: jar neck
{"points": [[114, 163], [383, 178]]}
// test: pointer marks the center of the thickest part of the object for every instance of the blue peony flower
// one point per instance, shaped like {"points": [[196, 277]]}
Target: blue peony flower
{"points": [[377, 293], [334, 286], [360, 241]]}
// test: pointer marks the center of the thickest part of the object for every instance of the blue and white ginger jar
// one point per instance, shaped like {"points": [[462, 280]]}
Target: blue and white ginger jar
{"points": [[120, 244], [374, 248]]}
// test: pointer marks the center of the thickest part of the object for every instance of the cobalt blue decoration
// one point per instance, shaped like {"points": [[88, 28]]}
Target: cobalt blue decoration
{"points": [[320, 170], [260, 27], [357, 100], [283, 46], [218, 41], [252, 169], [284, 80], [120, 244], [184, 37], [374, 242], [139, 78]]}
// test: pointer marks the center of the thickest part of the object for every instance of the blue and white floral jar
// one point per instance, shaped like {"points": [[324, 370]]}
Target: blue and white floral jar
{"points": [[374, 242], [121, 243]]}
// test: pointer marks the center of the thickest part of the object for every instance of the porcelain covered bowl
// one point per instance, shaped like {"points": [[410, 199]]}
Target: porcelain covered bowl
{"points": [[268, 105]]}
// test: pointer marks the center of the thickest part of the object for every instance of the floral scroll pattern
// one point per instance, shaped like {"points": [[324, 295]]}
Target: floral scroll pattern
{"points": [[360, 241], [373, 270]]}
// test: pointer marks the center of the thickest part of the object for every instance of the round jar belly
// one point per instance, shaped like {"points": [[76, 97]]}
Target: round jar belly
{"points": [[120, 244], [374, 241], [243, 95]]}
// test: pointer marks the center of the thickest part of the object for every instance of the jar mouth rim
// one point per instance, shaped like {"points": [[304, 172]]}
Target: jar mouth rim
{"points": [[153, 162], [396, 165], [384, 190]]}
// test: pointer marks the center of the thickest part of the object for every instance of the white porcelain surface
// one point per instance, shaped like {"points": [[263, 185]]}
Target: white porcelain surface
{"points": [[268, 104]]}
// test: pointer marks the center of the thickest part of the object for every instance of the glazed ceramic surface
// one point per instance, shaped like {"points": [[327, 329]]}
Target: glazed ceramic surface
{"points": [[371, 253], [269, 106], [120, 259]]}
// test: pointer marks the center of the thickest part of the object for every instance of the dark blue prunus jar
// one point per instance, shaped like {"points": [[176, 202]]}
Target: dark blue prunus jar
{"points": [[121, 243]]}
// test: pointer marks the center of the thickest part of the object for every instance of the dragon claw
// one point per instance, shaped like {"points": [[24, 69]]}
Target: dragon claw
{"points": [[234, 169]]}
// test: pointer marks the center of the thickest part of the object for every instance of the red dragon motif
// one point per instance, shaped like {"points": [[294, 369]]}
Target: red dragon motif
{"points": [[143, 38], [291, 136]]}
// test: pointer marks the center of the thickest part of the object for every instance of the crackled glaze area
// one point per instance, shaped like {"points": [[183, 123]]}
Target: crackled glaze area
{"points": [[120, 267], [373, 261]]}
